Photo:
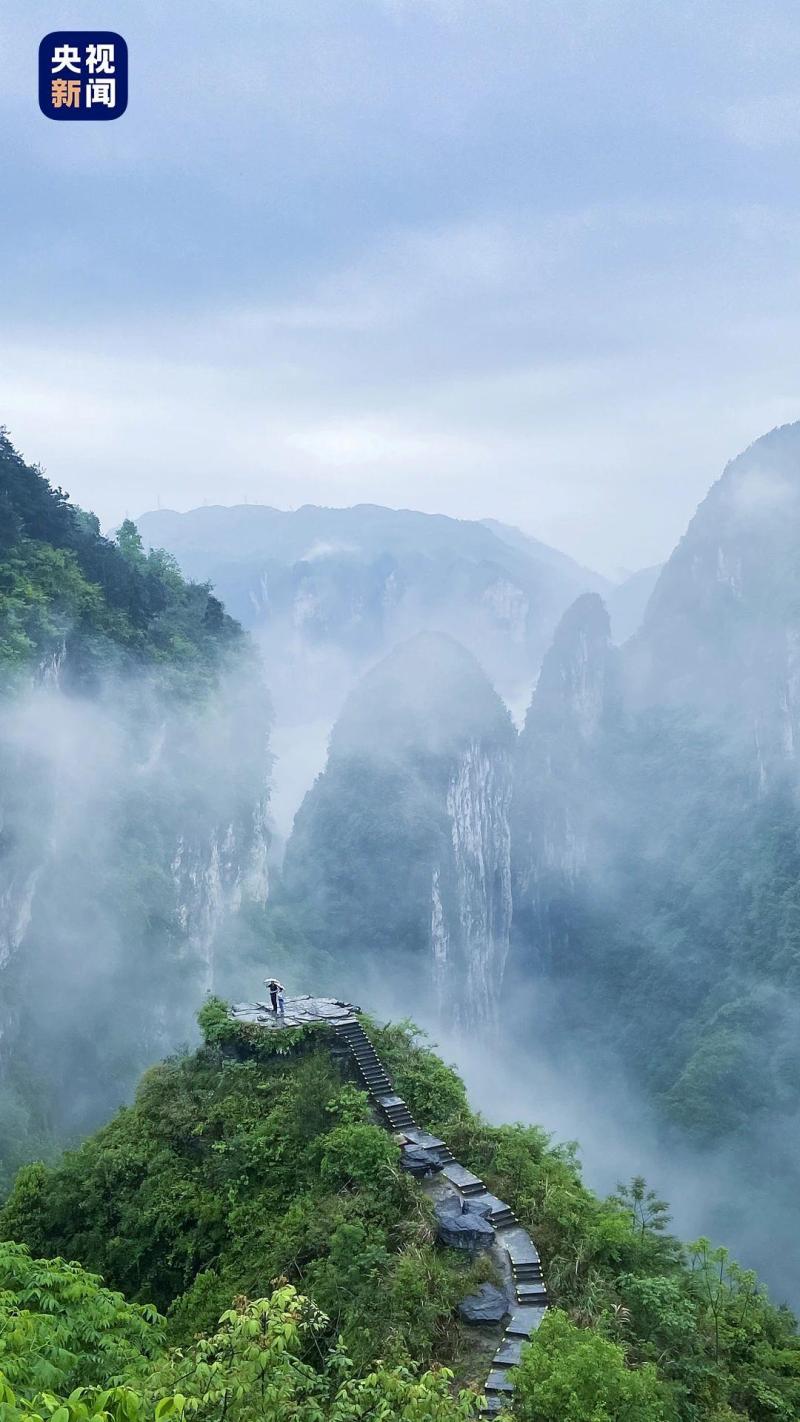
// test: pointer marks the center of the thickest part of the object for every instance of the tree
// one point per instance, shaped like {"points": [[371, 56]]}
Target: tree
{"points": [[61, 1329], [266, 1361], [571, 1374], [647, 1212], [129, 542]]}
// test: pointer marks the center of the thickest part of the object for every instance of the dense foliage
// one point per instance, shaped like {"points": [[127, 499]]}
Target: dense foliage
{"points": [[245, 1171], [67, 591], [70, 1350]]}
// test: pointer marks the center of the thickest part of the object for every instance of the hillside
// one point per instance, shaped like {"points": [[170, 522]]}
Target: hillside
{"points": [[239, 1171], [133, 786], [73, 602]]}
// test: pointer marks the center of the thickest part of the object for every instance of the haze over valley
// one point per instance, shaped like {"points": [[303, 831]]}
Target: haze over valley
{"points": [[592, 901]]}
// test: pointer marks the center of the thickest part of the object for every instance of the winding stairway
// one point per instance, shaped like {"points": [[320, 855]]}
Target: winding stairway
{"points": [[525, 1264]]}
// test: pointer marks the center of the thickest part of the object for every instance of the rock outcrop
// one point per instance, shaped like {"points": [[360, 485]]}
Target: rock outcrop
{"points": [[464, 1224], [400, 860], [488, 1305]]}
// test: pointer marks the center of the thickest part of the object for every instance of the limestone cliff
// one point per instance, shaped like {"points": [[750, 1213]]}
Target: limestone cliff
{"points": [[555, 806], [399, 863]]}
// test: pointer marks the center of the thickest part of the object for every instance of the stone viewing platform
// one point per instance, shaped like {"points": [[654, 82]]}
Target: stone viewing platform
{"points": [[300, 1012], [469, 1217]]}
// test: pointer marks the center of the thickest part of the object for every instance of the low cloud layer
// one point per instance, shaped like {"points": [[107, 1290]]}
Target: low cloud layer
{"points": [[409, 254]]}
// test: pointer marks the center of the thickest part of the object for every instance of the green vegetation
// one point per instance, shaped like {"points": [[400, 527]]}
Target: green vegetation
{"points": [[134, 768], [65, 590], [356, 881], [70, 1351], [243, 1173]]}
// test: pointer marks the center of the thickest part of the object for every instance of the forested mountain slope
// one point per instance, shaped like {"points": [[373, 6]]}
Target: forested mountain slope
{"points": [[656, 818], [656, 837], [133, 783], [247, 1170], [399, 861]]}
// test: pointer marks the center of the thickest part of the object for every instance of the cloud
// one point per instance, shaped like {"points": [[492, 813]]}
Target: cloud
{"points": [[428, 254]]}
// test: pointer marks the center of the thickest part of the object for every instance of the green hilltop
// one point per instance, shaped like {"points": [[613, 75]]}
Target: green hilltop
{"points": [[278, 1264]]}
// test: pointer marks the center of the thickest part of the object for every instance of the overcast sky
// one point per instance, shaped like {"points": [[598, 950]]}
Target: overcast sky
{"points": [[484, 257]]}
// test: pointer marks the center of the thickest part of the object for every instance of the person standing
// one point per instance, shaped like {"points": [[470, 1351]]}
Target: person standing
{"points": [[281, 1000], [273, 985]]}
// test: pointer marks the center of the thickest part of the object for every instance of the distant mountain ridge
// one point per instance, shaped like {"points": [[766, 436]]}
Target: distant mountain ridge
{"points": [[520, 581], [317, 581]]}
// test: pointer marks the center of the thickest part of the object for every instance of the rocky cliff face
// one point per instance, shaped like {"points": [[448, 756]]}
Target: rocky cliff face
{"points": [[722, 629], [655, 817], [132, 827], [399, 863], [555, 804], [346, 585], [471, 924]]}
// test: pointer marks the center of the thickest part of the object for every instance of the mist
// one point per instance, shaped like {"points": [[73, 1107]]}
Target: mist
{"points": [[133, 829]]}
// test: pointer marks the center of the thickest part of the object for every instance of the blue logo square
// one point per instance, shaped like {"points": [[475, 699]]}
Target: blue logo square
{"points": [[83, 74]]}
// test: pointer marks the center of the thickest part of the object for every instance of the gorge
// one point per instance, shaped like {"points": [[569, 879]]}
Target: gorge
{"points": [[615, 885]]}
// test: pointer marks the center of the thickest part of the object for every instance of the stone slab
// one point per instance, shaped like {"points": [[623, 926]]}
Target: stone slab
{"points": [[424, 1139], [488, 1305], [531, 1291], [498, 1381], [520, 1246], [419, 1163], [462, 1228], [525, 1320], [459, 1176], [494, 1203], [300, 1011], [509, 1352]]}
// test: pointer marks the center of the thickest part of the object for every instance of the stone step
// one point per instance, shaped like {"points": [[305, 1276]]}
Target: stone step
{"points": [[501, 1213], [498, 1381], [532, 1294], [524, 1320], [521, 1248], [426, 1141], [464, 1180], [509, 1352]]}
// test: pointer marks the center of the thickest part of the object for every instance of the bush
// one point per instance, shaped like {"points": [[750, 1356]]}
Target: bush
{"points": [[570, 1374]]}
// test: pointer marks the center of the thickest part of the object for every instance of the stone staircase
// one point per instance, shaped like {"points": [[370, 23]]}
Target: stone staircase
{"points": [[523, 1257]]}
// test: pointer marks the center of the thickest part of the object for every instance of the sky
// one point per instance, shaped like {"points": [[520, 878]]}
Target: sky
{"points": [[509, 258]]}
